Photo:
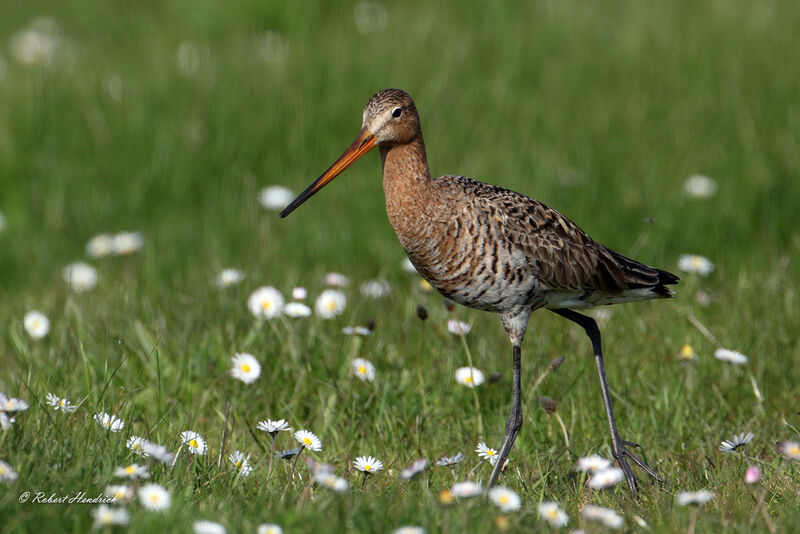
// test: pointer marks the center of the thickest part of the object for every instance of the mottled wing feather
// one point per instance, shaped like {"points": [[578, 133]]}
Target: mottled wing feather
{"points": [[562, 256]]}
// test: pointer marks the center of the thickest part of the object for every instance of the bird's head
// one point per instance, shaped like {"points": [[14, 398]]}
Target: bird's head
{"points": [[390, 118]]}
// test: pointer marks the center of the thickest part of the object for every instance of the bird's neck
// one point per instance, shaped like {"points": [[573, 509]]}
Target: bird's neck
{"points": [[407, 182]]}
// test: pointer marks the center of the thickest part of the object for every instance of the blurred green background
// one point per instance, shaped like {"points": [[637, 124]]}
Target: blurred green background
{"points": [[168, 117]]}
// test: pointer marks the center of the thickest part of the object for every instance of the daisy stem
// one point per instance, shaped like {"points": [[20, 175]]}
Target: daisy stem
{"points": [[702, 329], [419, 370], [271, 457], [291, 471], [363, 481], [474, 393], [563, 429], [692, 520], [292, 348]]}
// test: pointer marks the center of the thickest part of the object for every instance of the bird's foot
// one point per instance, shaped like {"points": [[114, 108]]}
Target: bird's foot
{"points": [[622, 455]]}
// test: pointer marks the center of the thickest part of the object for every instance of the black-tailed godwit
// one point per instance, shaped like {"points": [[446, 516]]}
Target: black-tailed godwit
{"points": [[496, 250]]}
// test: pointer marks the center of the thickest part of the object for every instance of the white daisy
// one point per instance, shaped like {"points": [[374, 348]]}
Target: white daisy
{"points": [[154, 497], [297, 309], [299, 293], [593, 463], [275, 197], [136, 444], [506, 499], [487, 453], [692, 263], [194, 442], [331, 481], [466, 489], [363, 369], [693, 497], [119, 492], [336, 280], [36, 324], [132, 472], [189, 58], [606, 478], [33, 46], [738, 441], [241, 462], [8, 404], [606, 516], [469, 376], [109, 422], [127, 243], [6, 421], [309, 440], [100, 245], [60, 404], [699, 186], [790, 450], [80, 276], [409, 530], [271, 47], [456, 327], [106, 516], [447, 461], [416, 467], [370, 17], [7, 473], [207, 527], [269, 528], [273, 427], [157, 452], [376, 288], [245, 367], [730, 356], [356, 331], [330, 303], [266, 302], [552, 513], [229, 277], [367, 464]]}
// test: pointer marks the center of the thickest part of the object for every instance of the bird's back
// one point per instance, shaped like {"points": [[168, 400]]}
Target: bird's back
{"points": [[494, 249]]}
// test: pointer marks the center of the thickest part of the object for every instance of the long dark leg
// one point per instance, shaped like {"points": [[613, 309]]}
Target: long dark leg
{"points": [[618, 446], [514, 422]]}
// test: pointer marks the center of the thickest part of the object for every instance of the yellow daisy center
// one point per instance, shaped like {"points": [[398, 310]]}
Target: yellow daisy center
{"points": [[503, 499], [62, 403], [245, 368], [130, 470], [2, 470], [490, 452], [367, 468], [330, 305], [794, 450], [155, 497], [307, 441], [697, 262], [362, 370], [552, 514], [193, 444], [468, 379], [265, 305]]}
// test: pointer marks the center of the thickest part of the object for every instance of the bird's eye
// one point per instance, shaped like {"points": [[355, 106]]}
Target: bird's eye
{"points": [[396, 112]]}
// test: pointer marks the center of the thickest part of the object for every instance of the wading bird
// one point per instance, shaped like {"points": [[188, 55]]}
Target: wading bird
{"points": [[496, 250]]}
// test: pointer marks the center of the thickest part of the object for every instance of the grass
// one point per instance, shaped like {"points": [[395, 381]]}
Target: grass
{"points": [[599, 110]]}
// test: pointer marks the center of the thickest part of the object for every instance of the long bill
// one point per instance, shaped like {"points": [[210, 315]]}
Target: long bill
{"points": [[363, 144]]}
